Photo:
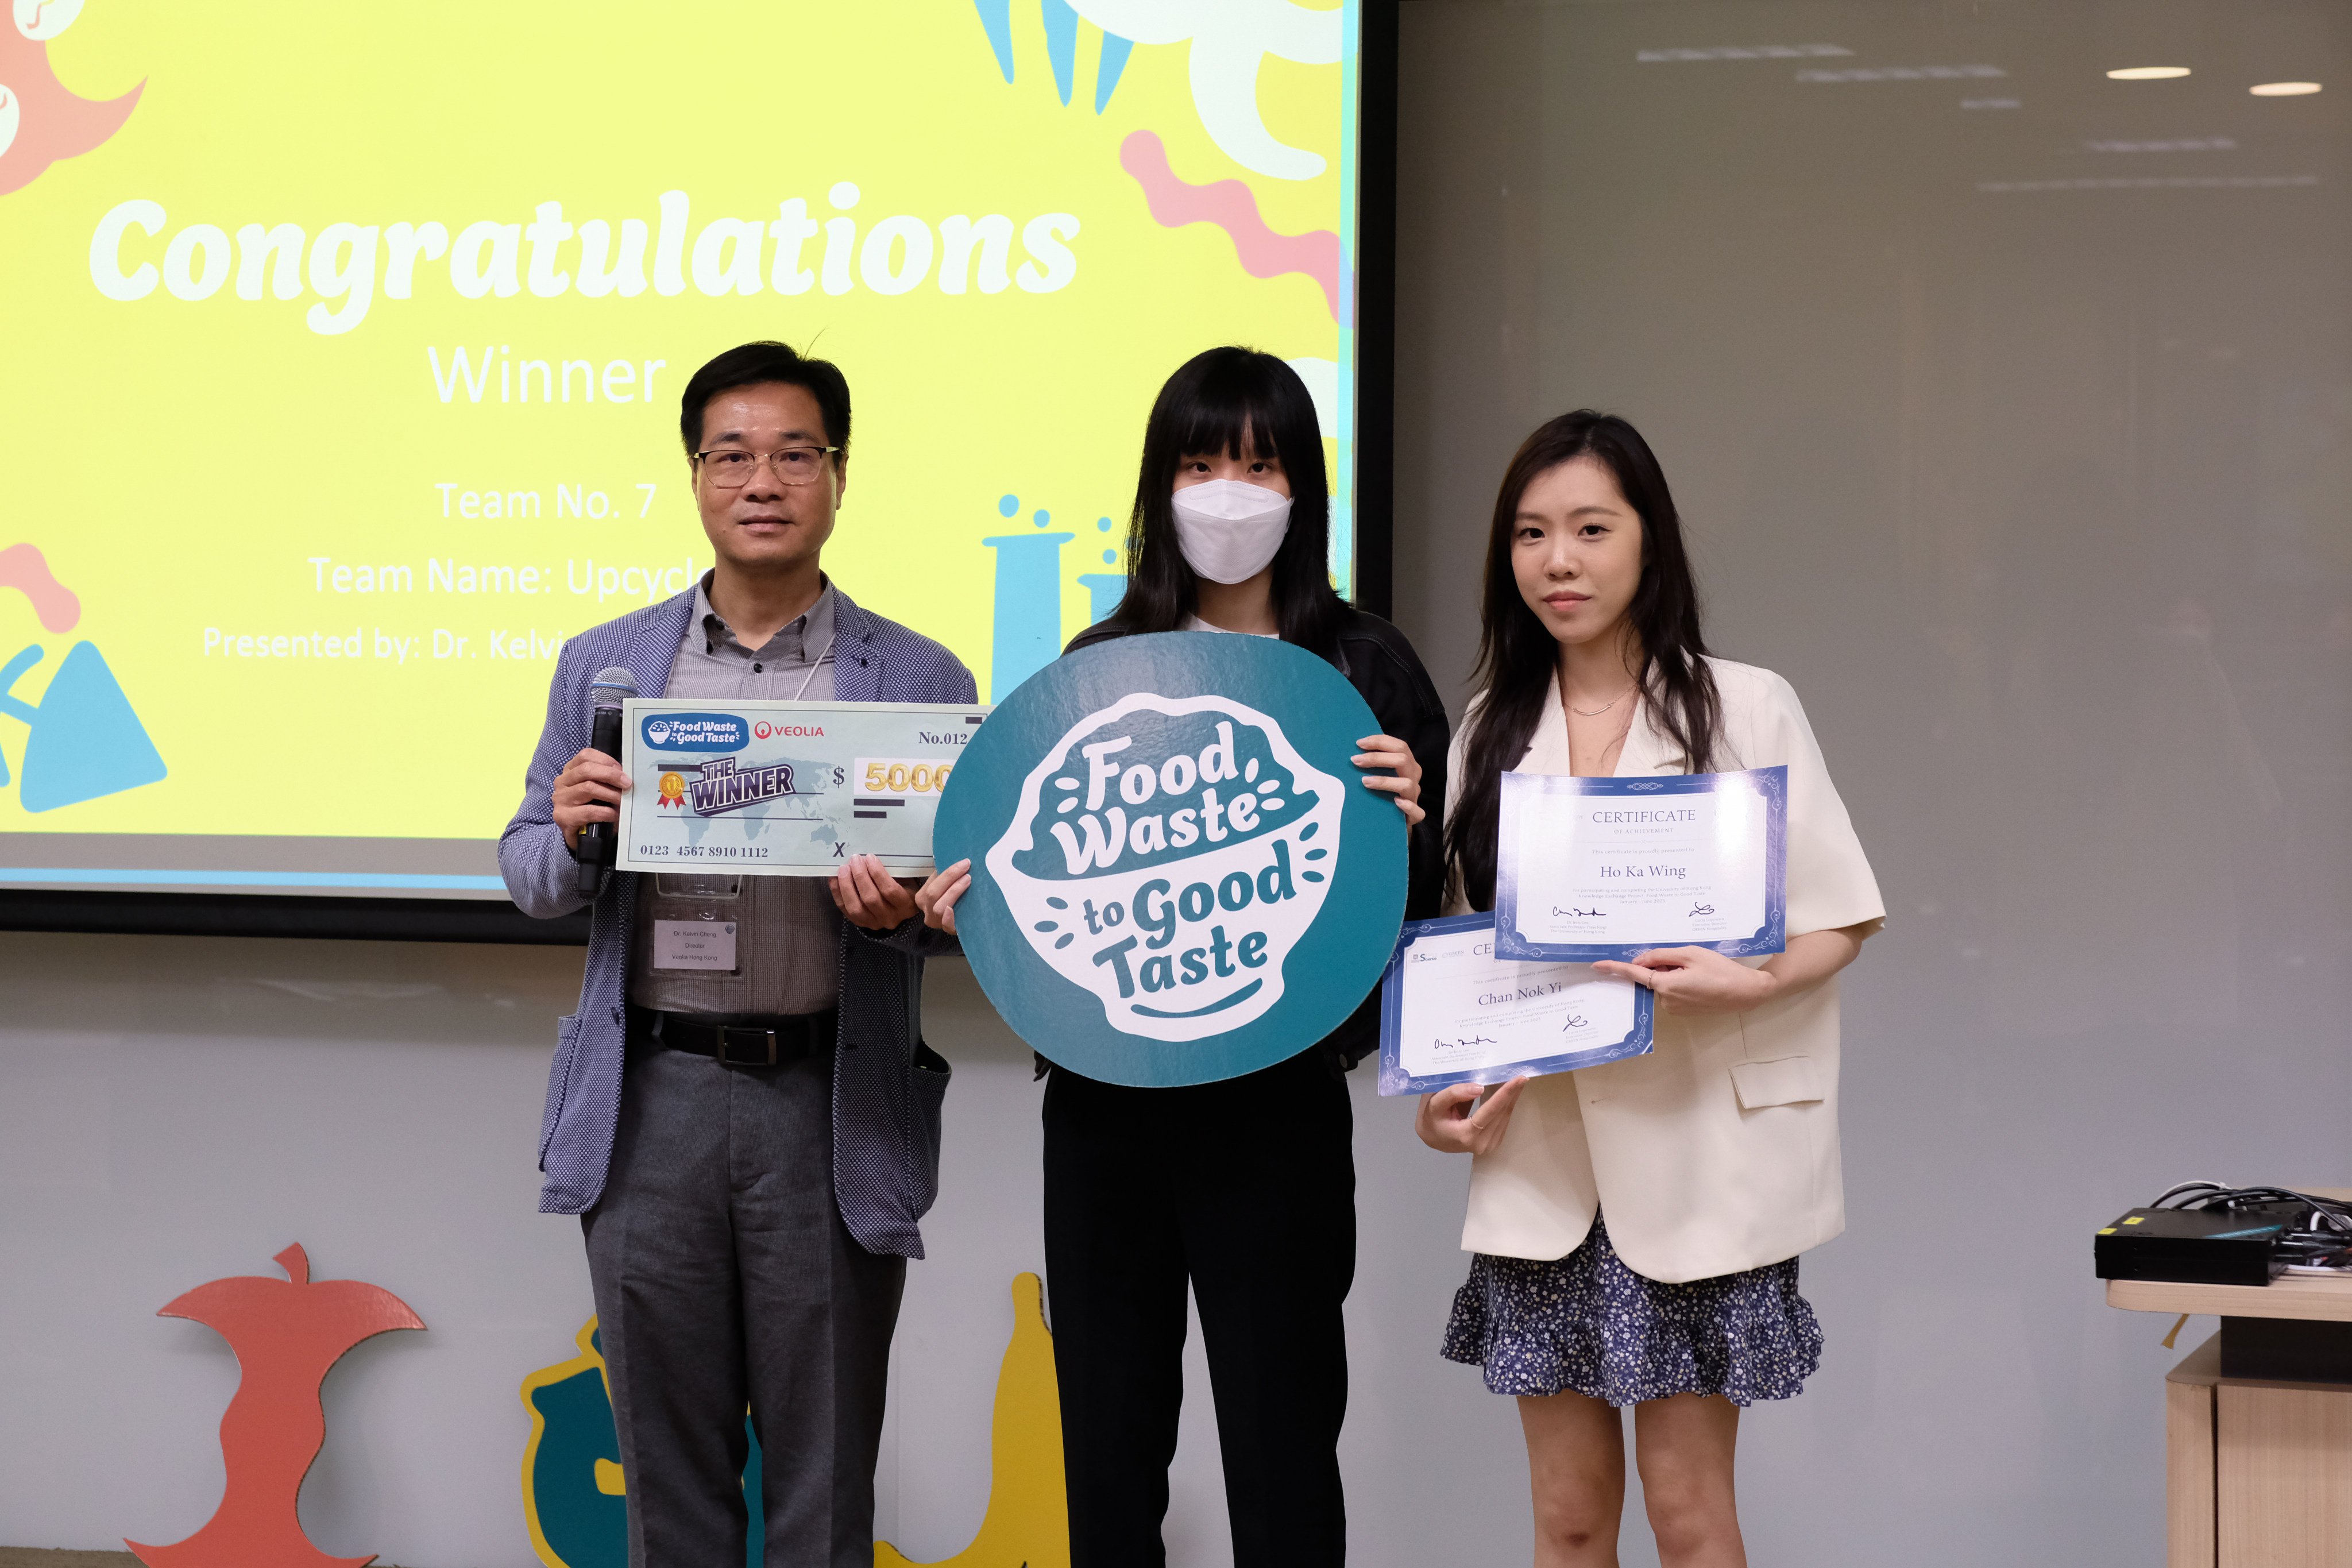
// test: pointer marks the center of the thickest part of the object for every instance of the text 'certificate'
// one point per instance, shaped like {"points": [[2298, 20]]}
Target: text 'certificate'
{"points": [[785, 789], [1609, 867], [1452, 1012]]}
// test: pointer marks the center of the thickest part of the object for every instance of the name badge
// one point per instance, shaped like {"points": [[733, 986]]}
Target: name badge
{"points": [[705, 945]]}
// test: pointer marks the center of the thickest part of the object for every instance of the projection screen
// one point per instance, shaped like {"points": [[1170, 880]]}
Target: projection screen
{"points": [[345, 346]]}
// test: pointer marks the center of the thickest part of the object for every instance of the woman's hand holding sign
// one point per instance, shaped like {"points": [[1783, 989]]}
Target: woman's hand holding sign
{"points": [[937, 898], [1404, 787]]}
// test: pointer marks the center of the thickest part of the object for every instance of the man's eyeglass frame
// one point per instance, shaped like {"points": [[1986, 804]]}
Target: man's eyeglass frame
{"points": [[775, 461]]}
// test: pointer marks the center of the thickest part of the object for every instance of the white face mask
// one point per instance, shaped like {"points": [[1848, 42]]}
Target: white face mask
{"points": [[1229, 529]]}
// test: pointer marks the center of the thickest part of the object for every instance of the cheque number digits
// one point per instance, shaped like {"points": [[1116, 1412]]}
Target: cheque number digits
{"points": [[888, 776]]}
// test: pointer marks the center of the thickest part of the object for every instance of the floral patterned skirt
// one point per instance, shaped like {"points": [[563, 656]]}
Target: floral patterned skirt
{"points": [[1587, 1322]]}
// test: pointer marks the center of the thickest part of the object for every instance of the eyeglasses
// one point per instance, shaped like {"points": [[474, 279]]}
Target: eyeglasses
{"points": [[732, 467]]}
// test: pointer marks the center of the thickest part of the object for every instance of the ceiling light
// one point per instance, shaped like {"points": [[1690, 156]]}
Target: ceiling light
{"points": [[2283, 89], [2148, 73], [1991, 103]]}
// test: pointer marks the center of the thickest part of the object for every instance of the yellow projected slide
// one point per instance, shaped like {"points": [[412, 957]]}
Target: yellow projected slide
{"points": [[344, 346]]}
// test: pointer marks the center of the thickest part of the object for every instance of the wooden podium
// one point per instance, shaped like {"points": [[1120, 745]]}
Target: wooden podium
{"points": [[2258, 1422]]}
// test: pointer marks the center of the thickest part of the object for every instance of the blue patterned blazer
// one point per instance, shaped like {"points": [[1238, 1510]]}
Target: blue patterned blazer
{"points": [[886, 1085]]}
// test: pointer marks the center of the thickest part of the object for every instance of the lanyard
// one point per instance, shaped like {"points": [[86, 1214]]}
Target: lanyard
{"points": [[822, 654]]}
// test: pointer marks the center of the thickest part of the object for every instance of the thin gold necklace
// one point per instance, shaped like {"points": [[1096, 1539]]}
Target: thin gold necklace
{"points": [[1596, 712]]}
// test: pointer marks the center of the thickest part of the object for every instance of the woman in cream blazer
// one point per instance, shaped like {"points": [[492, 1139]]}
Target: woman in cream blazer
{"points": [[1635, 1226]]}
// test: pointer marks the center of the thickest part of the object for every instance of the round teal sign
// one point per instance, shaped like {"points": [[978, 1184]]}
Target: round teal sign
{"points": [[1177, 873]]}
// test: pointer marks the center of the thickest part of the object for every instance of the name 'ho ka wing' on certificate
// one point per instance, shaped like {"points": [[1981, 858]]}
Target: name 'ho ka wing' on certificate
{"points": [[769, 787], [1454, 1012], [1609, 868]]}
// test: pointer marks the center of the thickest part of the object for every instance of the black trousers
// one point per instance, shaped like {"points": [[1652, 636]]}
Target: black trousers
{"points": [[1248, 1189], [725, 1277]]}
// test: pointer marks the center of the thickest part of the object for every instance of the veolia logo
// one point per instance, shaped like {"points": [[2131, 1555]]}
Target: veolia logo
{"points": [[694, 732], [1168, 856]]}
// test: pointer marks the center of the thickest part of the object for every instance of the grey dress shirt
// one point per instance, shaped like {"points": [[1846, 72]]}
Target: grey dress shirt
{"points": [[787, 932]]}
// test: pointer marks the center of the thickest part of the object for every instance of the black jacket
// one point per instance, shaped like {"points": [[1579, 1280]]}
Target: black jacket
{"points": [[1382, 665]]}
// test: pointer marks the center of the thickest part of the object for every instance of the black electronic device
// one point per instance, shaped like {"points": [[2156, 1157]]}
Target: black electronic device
{"points": [[600, 841], [2200, 1247]]}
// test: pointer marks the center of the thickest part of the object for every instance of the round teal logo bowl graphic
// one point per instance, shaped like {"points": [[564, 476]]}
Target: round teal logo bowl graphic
{"points": [[1177, 873]]}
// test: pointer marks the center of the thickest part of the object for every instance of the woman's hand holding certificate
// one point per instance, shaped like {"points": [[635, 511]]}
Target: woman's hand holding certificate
{"points": [[1612, 867], [1687, 980], [1464, 1119]]}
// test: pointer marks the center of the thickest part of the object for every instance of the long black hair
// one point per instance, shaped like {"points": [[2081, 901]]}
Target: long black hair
{"points": [[1518, 658], [1228, 400]]}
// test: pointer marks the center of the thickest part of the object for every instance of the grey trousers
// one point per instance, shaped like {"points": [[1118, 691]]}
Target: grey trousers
{"points": [[724, 1278]]}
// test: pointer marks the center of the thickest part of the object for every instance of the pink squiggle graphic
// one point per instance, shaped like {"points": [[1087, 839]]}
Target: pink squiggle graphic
{"points": [[1231, 205], [53, 122], [23, 567]]}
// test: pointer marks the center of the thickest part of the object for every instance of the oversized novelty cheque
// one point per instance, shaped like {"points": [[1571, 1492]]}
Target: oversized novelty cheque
{"points": [[785, 789], [1453, 1012], [1609, 868], [1178, 874]]}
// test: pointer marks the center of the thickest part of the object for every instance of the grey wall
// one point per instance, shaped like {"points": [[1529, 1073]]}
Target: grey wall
{"points": [[2027, 461], [173, 1110]]}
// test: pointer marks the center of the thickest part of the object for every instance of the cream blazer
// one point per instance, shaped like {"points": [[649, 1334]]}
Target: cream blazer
{"points": [[1718, 1150]]}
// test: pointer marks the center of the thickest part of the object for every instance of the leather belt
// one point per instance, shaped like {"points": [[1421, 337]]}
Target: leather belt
{"points": [[746, 1043]]}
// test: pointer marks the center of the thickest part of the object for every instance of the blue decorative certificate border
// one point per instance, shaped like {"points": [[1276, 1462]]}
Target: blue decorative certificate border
{"points": [[1772, 936], [1394, 1080]]}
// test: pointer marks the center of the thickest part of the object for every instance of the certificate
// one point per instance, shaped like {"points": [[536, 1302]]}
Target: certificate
{"points": [[1453, 1012], [785, 789], [1608, 867]]}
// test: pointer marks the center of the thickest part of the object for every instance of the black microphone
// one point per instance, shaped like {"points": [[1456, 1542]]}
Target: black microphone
{"points": [[600, 841]]}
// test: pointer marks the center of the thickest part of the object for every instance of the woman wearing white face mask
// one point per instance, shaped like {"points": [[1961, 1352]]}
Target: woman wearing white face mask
{"points": [[1246, 1188]]}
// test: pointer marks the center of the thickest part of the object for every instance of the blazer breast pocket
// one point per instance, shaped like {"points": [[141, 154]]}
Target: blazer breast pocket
{"points": [[1788, 1080]]}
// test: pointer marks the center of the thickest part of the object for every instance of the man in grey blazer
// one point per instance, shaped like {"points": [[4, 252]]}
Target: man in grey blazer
{"points": [[748, 1149]]}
